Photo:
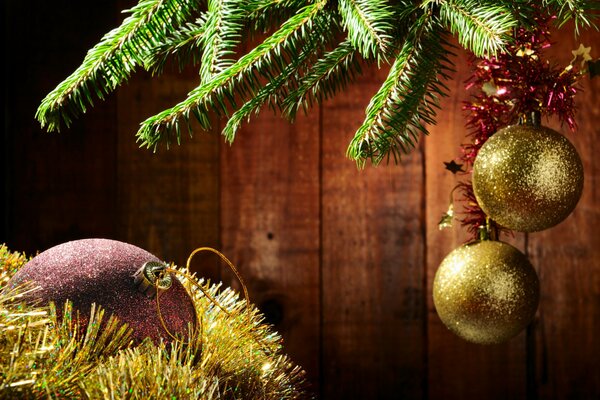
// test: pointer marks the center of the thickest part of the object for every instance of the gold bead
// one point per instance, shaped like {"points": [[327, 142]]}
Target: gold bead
{"points": [[527, 178], [486, 292]]}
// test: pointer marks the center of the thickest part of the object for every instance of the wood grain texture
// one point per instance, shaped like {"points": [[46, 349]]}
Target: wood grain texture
{"points": [[372, 245], [57, 187], [458, 369], [565, 344], [168, 200], [270, 226]]}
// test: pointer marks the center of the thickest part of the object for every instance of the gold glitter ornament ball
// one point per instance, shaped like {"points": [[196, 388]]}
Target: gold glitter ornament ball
{"points": [[527, 178], [486, 292]]}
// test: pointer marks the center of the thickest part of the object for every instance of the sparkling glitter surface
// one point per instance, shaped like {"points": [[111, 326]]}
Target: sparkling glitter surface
{"points": [[527, 178], [100, 271], [486, 292]]}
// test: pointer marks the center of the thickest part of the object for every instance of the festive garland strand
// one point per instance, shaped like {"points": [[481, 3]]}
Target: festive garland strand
{"points": [[510, 86], [44, 356]]}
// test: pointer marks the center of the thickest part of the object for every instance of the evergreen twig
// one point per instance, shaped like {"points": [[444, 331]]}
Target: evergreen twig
{"points": [[481, 26], [369, 25], [276, 90], [407, 98], [582, 12], [112, 60], [240, 78], [266, 14], [326, 77], [185, 44], [290, 68], [222, 33]]}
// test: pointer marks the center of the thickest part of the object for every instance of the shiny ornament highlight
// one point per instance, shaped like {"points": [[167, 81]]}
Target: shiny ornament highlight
{"points": [[486, 292], [527, 178], [102, 271]]}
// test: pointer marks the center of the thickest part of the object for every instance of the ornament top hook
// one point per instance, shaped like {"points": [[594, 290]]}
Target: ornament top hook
{"points": [[532, 118], [489, 231], [152, 277]]}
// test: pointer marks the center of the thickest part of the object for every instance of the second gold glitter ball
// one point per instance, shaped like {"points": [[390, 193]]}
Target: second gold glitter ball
{"points": [[486, 292]]}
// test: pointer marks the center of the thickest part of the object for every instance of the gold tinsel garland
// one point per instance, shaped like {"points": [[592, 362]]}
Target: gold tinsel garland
{"points": [[233, 357]]}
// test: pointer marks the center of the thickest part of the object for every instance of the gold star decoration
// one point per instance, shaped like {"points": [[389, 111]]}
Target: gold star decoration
{"points": [[446, 220], [490, 88], [526, 52], [583, 53]]}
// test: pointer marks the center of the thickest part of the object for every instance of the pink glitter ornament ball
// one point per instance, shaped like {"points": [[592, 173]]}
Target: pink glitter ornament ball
{"points": [[101, 271]]}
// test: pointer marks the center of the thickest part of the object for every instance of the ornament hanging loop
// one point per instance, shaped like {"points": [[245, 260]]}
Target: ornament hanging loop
{"points": [[231, 267], [154, 277]]}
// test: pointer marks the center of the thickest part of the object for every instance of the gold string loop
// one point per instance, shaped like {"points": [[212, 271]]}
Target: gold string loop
{"points": [[162, 274], [233, 269]]}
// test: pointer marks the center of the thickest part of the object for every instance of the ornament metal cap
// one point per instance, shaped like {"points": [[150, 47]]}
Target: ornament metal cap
{"points": [[532, 118], [151, 277], [488, 231]]}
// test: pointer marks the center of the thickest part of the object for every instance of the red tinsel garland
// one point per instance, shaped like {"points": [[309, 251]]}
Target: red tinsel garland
{"points": [[511, 85]]}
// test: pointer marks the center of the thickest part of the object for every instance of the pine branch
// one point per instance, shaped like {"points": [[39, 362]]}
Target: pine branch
{"points": [[281, 71], [242, 78], [407, 96], [329, 75], [222, 34], [481, 26], [369, 24], [185, 44], [112, 60], [265, 14], [583, 12], [277, 89]]}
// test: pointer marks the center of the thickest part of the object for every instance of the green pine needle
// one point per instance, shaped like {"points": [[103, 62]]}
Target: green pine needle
{"points": [[112, 60], [481, 26], [185, 45], [327, 76], [222, 34], [266, 14], [277, 89], [265, 60], [290, 69], [582, 12], [406, 100], [369, 24]]}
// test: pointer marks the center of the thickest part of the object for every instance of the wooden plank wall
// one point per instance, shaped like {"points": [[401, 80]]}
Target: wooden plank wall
{"points": [[563, 341], [270, 226], [372, 263], [56, 187], [168, 200], [340, 260]]}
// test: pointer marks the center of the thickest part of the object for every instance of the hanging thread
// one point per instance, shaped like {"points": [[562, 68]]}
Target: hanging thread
{"points": [[162, 274]]}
